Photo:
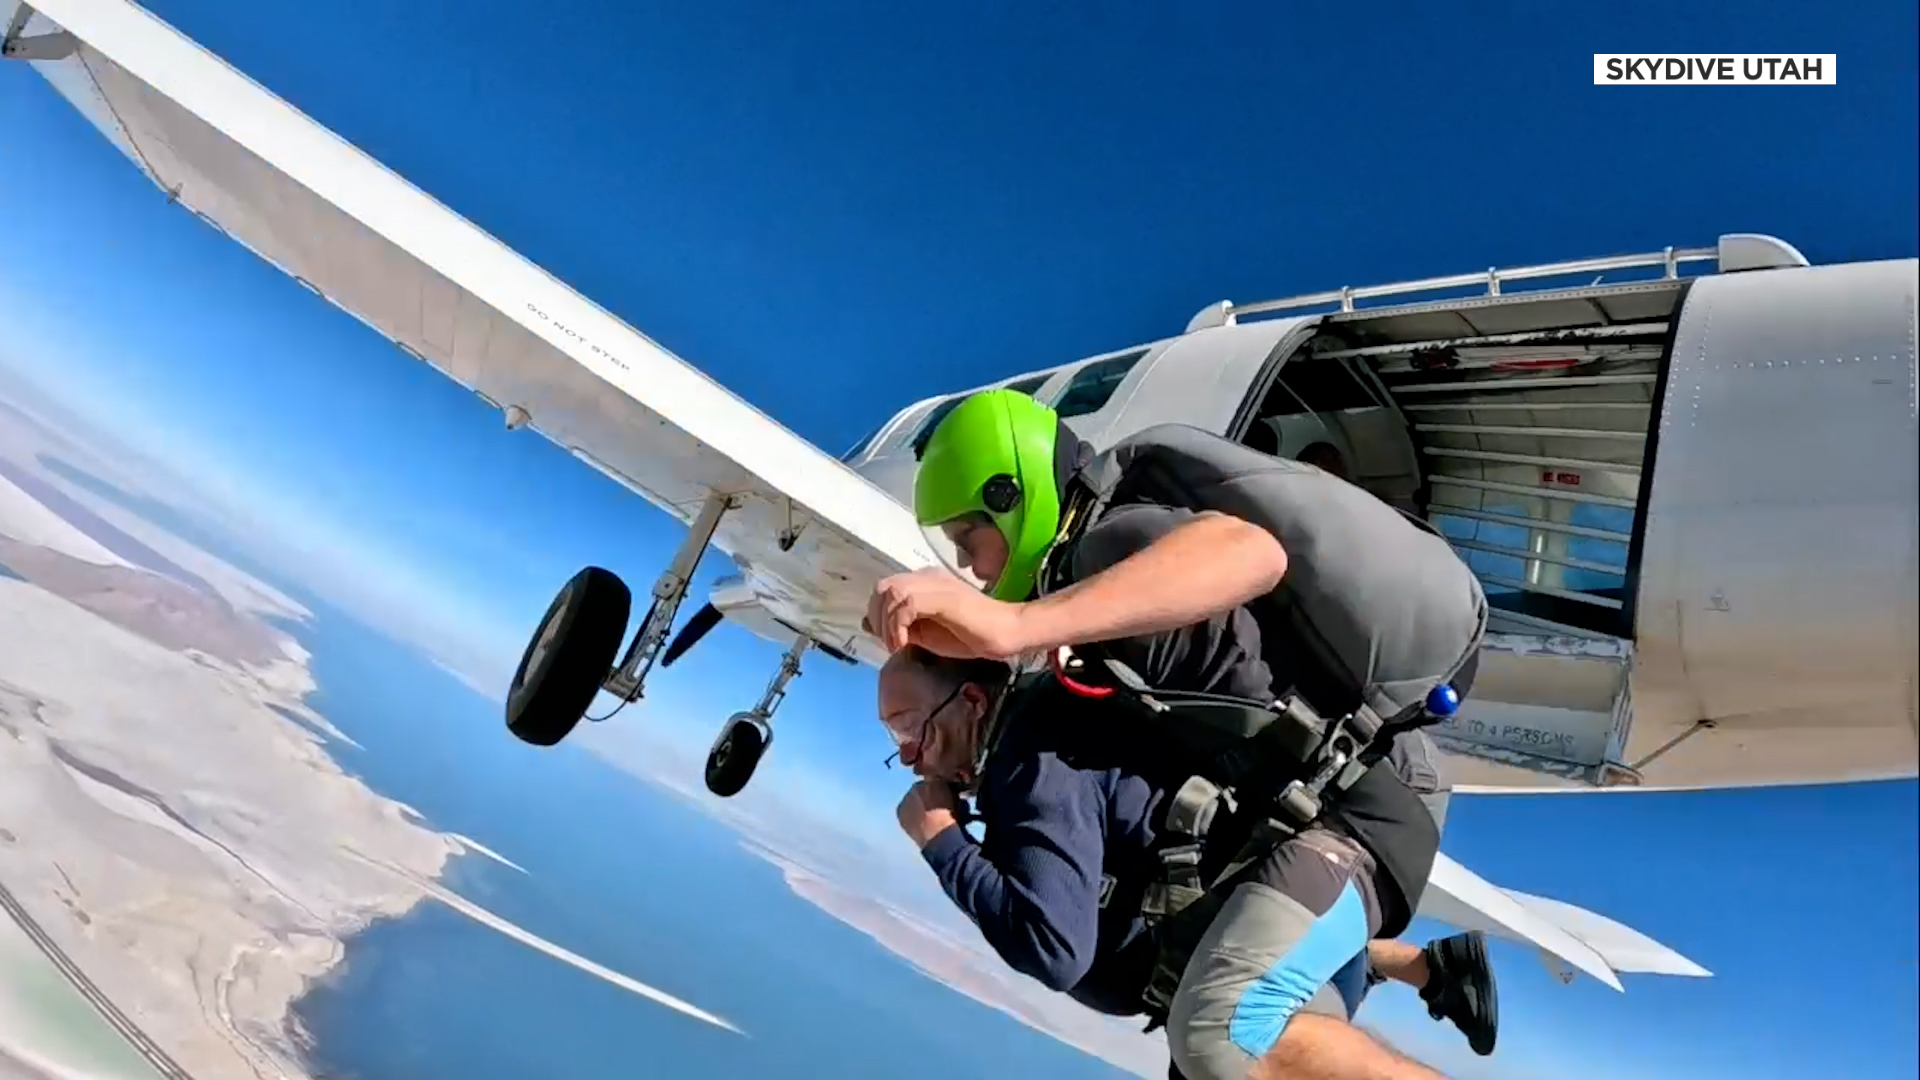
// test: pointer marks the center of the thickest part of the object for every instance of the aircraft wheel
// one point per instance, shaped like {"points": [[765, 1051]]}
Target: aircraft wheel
{"points": [[568, 657], [736, 753]]}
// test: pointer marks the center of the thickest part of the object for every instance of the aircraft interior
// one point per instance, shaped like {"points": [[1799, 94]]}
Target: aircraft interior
{"points": [[1520, 426]]}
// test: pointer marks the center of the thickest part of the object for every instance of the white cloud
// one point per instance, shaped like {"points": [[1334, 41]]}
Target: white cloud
{"points": [[52, 369]]}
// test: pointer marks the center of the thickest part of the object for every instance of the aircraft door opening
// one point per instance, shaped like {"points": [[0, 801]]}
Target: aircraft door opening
{"points": [[1328, 414]]}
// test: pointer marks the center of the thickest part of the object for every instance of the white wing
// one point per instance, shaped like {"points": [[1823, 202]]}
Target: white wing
{"points": [[340, 223], [1567, 937]]}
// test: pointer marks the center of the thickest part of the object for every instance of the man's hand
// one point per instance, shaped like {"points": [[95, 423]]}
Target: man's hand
{"points": [[926, 811], [937, 611]]}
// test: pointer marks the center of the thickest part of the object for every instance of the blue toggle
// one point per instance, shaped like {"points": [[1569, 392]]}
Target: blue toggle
{"points": [[1443, 700]]}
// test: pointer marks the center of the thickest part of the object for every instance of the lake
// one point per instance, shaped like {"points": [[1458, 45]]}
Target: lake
{"points": [[629, 877]]}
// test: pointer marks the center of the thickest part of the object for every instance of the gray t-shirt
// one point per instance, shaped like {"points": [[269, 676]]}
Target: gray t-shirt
{"points": [[1221, 655]]}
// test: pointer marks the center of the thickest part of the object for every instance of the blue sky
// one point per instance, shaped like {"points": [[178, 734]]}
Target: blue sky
{"points": [[835, 209]]}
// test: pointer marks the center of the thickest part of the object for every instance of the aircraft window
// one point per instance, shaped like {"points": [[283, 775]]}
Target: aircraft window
{"points": [[1092, 386], [940, 411], [1504, 569], [1316, 386], [932, 421], [1604, 552], [1493, 534], [1030, 387], [861, 446]]}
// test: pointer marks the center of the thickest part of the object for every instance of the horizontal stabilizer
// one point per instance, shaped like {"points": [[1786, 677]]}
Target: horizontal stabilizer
{"points": [[1626, 950], [1567, 937]]}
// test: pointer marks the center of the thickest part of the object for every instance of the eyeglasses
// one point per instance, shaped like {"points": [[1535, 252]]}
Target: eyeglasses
{"points": [[920, 741]]}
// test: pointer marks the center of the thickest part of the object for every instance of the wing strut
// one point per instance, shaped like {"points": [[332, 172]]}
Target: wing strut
{"points": [[15, 45]]}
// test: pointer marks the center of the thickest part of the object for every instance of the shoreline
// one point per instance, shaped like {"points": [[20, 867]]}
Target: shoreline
{"points": [[209, 911]]}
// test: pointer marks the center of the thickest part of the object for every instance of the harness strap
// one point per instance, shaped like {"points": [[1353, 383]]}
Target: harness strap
{"points": [[1179, 932], [1179, 906], [1180, 901], [1348, 751], [1189, 817]]}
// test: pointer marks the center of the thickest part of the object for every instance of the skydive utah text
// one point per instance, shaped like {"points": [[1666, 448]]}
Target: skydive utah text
{"points": [[1750, 69]]}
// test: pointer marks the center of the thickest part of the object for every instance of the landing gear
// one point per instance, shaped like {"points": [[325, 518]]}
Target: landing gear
{"points": [[570, 658], [737, 752], [629, 682], [569, 655]]}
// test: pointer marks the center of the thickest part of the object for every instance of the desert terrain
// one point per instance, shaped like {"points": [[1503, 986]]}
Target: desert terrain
{"points": [[172, 820]]}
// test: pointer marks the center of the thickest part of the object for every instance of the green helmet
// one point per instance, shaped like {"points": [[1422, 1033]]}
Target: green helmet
{"points": [[994, 455]]}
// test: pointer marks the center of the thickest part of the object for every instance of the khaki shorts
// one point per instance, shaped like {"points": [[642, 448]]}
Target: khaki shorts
{"points": [[1291, 938]]}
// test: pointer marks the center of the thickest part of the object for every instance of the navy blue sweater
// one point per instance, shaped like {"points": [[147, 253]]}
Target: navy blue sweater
{"points": [[1032, 885]]}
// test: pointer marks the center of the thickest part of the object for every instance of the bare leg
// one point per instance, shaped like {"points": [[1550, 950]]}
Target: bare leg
{"points": [[1316, 1047], [1399, 961], [1268, 991], [1453, 978]]}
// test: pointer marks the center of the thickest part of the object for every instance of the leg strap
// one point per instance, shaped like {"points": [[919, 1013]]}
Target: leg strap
{"points": [[1183, 834]]}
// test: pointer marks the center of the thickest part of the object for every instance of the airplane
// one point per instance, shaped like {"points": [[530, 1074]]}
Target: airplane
{"points": [[1690, 495]]}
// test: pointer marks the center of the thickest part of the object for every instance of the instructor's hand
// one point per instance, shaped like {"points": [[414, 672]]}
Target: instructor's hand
{"points": [[937, 611], [926, 812]]}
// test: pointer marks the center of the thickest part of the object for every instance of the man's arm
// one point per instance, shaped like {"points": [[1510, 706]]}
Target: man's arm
{"points": [[1033, 888], [1207, 565]]}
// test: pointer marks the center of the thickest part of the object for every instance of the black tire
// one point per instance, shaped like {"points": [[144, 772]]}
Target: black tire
{"points": [[582, 632], [731, 762]]}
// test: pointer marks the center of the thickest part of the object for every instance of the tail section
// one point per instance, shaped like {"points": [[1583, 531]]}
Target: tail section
{"points": [[1570, 939]]}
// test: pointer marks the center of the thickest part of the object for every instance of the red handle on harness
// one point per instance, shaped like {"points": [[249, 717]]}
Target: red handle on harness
{"points": [[1073, 685]]}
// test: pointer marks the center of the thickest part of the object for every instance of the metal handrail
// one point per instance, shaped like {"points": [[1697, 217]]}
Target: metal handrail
{"points": [[1225, 312], [1669, 259]]}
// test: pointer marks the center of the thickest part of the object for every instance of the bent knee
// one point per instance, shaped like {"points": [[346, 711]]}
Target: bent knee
{"points": [[1266, 959]]}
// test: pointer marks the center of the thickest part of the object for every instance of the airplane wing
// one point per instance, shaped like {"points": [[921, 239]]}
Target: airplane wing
{"points": [[815, 534], [1568, 938]]}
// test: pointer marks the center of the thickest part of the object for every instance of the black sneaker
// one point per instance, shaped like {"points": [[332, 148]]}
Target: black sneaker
{"points": [[1460, 988]]}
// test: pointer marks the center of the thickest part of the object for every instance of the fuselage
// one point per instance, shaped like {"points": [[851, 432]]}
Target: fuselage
{"points": [[1692, 501]]}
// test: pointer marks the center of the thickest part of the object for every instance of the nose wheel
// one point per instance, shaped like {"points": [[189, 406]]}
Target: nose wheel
{"points": [[745, 738], [736, 753]]}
